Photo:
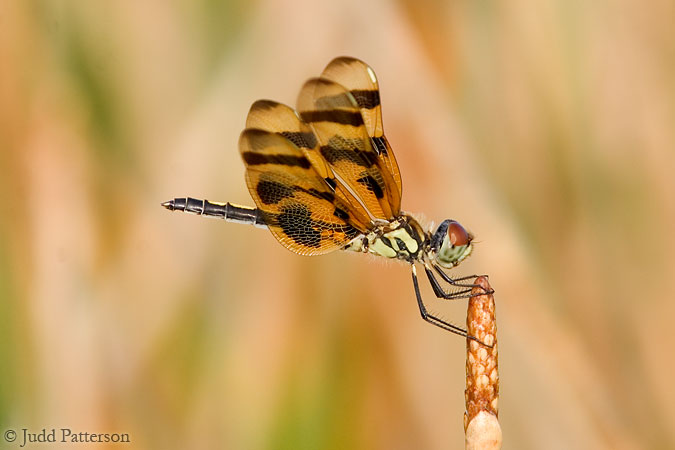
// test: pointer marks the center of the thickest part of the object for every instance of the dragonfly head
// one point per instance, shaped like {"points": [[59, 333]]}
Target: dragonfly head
{"points": [[450, 244]]}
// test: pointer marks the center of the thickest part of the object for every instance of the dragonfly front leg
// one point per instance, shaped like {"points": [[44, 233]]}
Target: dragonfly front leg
{"points": [[463, 292]]}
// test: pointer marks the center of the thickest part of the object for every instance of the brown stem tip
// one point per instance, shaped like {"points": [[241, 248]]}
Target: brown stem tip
{"points": [[482, 376]]}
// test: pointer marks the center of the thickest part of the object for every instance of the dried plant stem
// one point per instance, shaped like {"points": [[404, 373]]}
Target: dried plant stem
{"points": [[481, 424]]}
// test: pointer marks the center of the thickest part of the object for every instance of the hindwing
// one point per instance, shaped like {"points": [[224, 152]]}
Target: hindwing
{"points": [[301, 208]]}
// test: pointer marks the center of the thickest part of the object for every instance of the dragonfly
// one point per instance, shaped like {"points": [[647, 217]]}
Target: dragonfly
{"points": [[324, 178]]}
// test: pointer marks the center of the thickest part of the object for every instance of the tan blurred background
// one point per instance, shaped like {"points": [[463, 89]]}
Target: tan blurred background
{"points": [[547, 128]]}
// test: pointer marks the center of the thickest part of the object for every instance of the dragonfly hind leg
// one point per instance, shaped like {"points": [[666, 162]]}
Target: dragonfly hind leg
{"points": [[436, 320], [430, 317]]}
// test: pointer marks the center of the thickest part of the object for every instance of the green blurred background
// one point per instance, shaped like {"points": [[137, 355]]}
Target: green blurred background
{"points": [[547, 128]]}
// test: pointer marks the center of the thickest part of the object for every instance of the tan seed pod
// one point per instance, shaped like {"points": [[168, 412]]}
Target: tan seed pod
{"points": [[481, 426]]}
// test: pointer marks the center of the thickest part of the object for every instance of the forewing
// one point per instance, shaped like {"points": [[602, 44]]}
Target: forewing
{"points": [[360, 80], [335, 117], [299, 207]]}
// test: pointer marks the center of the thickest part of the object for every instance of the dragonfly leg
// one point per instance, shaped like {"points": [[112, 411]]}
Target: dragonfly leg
{"points": [[457, 282], [429, 317], [435, 320]]}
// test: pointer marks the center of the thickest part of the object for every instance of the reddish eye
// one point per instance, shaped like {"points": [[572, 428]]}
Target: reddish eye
{"points": [[457, 233]]}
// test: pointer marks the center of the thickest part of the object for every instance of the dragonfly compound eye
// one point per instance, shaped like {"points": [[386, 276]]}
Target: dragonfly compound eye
{"points": [[457, 234], [451, 244]]}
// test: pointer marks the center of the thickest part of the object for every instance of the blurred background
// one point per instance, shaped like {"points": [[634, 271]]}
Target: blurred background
{"points": [[546, 128]]}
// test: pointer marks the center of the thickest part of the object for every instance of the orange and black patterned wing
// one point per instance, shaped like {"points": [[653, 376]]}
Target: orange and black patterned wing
{"points": [[300, 208], [361, 82], [334, 115], [278, 118]]}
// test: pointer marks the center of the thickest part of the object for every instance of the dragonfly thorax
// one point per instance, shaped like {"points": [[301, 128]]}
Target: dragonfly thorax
{"points": [[402, 238]]}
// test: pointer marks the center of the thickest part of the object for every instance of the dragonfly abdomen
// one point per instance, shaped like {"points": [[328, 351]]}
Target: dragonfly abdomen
{"points": [[227, 211]]}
